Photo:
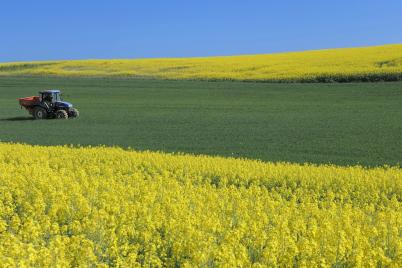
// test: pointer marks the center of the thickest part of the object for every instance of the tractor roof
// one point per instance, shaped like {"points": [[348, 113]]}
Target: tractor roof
{"points": [[50, 91]]}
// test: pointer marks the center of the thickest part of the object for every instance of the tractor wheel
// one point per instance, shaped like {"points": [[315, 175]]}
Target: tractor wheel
{"points": [[61, 114], [40, 113], [74, 113]]}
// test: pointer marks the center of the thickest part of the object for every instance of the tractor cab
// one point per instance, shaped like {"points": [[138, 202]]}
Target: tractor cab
{"points": [[53, 99], [50, 96]]}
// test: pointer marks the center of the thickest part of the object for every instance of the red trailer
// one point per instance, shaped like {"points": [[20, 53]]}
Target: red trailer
{"points": [[29, 102]]}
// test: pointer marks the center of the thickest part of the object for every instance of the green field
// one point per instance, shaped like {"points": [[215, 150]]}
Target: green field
{"points": [[345, 124]]}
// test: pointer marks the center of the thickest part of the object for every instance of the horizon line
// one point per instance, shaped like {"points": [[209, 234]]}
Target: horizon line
{"points": [[200, 57]]}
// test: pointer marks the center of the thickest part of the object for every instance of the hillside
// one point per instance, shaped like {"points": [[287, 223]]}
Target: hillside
{"points": [[378, 63]]}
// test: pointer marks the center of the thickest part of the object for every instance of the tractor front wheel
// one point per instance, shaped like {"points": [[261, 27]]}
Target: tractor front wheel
{"points": [[40, 113], [61, 114], [74, 113]]}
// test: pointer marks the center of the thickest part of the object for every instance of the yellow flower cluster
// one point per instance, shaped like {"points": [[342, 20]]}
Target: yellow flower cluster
{"points": [[351, 64], [99, 206]]}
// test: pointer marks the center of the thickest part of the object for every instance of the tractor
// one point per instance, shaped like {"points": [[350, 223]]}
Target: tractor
{"points": [[48, 105]]}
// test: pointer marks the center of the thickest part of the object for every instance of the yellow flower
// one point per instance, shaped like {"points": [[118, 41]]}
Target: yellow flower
{"points": [[100, 206]]}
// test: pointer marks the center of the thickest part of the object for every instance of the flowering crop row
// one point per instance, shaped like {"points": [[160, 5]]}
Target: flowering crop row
{"points": [[381, 63], [63, 206]]}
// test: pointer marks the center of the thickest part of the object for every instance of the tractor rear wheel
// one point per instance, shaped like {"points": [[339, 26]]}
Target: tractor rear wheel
{"points": [[40, 113], [61, 114]]}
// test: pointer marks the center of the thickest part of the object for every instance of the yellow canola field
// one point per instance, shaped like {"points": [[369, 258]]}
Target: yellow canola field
{"points": [[378, 63], [64, 206]]}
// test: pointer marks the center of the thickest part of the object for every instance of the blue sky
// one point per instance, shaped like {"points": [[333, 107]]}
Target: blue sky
{"points": [[48, 30]]}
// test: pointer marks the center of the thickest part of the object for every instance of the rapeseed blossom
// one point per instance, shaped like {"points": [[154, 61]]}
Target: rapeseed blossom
{"points": [[65, 206], [352, 64]]}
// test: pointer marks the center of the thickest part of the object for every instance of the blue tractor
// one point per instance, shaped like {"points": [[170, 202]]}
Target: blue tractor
{"points": [[49, 105]]}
